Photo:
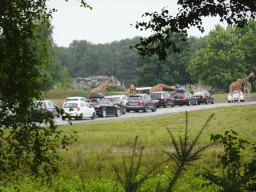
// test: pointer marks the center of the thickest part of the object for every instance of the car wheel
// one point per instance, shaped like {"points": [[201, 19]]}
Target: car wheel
{"points": [[228, 101], [118, 112], [173, 105], [189, 103], [198, 103], [136, 110], [145, 109], [93, 116], [128, 110], [104, 113], [154, 109], [58, 115], [165, 104], [124, 110], [157, 106], [81, 116], [213, 101], [180, 105], [242, 100], [63, 118]]}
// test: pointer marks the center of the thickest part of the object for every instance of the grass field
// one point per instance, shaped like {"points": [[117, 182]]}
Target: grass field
{"points": [[105, 143], [101, 144]]}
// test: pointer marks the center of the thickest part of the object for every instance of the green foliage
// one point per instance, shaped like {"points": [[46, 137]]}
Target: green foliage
{"points": [[150, 71], [234, 175], [131, 182], [84, 59], [28, 147], [226, 57], [185, 153], [189, 14]]}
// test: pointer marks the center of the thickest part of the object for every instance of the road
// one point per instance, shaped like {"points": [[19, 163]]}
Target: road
{"points": [[159, 111]]}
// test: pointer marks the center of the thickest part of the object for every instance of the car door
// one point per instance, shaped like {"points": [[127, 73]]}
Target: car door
{"points": [[151, 102]]}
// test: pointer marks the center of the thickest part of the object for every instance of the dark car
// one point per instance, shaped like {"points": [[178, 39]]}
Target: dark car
{"points": [[183, 97], [94, 98], [48, 106], [119, 102], [105, 107], [162, 98], [136, 102], [203, 97]]}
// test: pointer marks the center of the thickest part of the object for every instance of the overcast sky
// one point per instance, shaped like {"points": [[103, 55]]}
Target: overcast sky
{"points": [[109, 20]]}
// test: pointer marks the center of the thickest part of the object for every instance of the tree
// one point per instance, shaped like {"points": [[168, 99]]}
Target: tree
{"points": [[26, 148], [172, 71], [228, 55], [190, 14]]}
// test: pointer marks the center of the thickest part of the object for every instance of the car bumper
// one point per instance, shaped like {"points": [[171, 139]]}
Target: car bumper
{"points": [[180, 102], [139, 107]]}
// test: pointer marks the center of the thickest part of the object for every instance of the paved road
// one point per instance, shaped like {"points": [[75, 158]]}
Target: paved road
{"points": [[159, 111]]}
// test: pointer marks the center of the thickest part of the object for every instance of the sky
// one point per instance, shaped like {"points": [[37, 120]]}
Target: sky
{"points": [[109, 20]]}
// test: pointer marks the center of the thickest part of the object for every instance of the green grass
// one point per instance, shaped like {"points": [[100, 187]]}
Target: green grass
{"points": [[104, 142], [220, 96]]}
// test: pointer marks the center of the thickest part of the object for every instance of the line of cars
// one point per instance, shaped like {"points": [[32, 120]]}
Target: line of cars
{"points": [[115, 105], [102, 106]]}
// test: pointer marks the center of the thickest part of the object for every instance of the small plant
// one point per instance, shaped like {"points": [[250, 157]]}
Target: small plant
{"points": [[132, 181], [185, 152], [234, 176]]}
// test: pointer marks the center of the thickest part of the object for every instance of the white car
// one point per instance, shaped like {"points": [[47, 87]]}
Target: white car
{"points": [[74, 99], [236, 96], [122, 97], [78, 109]]}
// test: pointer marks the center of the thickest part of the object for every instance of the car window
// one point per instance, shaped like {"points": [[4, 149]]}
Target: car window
{"points": [[82, 104], [87, 104], [135, 97], [70, 105], [49, 104]]}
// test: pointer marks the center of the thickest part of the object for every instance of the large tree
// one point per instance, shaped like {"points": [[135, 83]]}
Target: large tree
{"points": [[150, 71], [229, 54], [190, 14], [26, 148]]}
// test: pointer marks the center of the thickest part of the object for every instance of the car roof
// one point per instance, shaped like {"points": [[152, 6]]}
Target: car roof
{"points": [[116, 95], [99, 95], [139, 94], [158, 91], [76, 97], [75, 102]]}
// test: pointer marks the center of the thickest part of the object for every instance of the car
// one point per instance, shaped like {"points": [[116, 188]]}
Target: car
{"points": [[203, 97], [75, 98], [235, 96], [136, 102], [47, 105], [117, 100], [106, 107], [78, 110], [122, 97], [184, 97], [162, 98], [94, 98]]}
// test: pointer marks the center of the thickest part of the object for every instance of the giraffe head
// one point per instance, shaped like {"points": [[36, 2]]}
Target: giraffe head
{"points": [[251, 74]]}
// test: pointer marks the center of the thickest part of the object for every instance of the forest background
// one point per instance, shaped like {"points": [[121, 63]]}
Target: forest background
{"points": [[217, 60]]}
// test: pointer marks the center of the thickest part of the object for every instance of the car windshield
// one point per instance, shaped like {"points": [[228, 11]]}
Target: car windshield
{"points": [[70, 105], [71, 99], [235, 92], [155, 95], [198, 93], [137, 97], [111, 99]]}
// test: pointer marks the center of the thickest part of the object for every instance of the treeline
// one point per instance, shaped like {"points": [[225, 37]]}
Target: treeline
{"points": [[218, 59], [84, 59]]}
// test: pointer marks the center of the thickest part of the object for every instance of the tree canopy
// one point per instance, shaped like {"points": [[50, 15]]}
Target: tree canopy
{"points": [[229, 54], [190, 14], [27, 147]]}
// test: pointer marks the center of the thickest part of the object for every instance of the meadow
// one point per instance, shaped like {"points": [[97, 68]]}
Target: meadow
{"points": [[101, 146]]}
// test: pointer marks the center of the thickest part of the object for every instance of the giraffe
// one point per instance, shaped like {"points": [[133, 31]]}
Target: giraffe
{"points": [[236, 86], [132, 89], [247, 89], [103, 87], [247, 85], [160, 87]]}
